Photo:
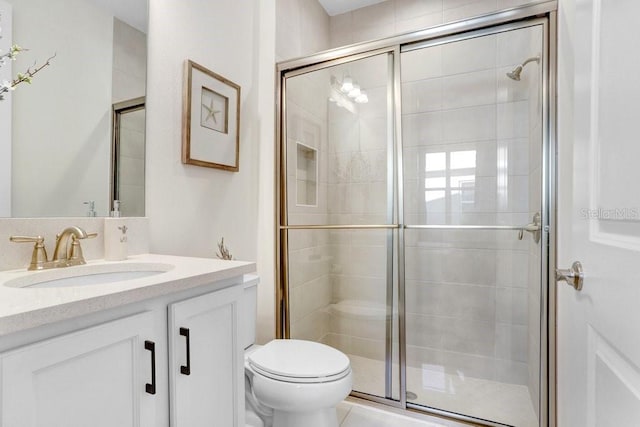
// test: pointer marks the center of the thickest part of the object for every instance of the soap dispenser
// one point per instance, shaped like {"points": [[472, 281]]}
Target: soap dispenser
{"points": [[115, 235]]}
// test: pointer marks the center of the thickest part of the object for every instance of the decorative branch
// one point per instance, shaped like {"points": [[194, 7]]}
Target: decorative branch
{"points": [[29, 73], [224, 251], [25, 77]]}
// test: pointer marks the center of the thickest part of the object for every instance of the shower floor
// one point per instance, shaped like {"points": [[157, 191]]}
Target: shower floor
{"points": [[505, 403]]}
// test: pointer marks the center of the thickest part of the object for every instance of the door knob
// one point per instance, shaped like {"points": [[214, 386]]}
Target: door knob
{"points": [[573, 276]]}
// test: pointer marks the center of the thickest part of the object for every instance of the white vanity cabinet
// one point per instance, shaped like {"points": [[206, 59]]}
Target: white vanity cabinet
{"points": [[206, 361], [93, 377], [98, 368]]}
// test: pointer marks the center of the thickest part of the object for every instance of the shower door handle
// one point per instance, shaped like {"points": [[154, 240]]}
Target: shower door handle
{"points": [[573, 276]]}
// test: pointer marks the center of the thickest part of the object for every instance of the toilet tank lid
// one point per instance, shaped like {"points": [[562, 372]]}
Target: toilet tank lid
{"points": [[299, 359]]}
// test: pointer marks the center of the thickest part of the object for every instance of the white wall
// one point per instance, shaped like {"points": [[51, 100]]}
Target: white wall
{"points": [[72, 153], [190, 207]]}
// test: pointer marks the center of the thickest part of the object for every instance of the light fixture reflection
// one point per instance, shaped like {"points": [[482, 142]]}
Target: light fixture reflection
{"points": [[344, 93], [347, 85], [355, 92], [362, 98]]}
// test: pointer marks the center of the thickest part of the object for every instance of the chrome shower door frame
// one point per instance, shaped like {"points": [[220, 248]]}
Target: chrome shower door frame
{"points": [[542, 13]]}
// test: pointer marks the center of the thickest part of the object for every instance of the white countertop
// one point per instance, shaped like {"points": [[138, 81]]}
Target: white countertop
{"points": [[24, 308]]}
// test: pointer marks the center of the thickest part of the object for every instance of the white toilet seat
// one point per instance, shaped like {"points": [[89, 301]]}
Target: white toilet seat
{"points": [[299, 380], [299, 361]]}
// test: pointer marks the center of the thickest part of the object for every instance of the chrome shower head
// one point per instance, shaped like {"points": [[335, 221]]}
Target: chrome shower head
{"points": [[515, 73]]}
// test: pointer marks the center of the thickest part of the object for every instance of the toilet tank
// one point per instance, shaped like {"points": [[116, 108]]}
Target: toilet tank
{"points": [[248, 310]]}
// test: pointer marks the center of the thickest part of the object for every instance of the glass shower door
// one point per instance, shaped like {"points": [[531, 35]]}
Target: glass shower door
{"points": [[472, 121], [338, 228]]}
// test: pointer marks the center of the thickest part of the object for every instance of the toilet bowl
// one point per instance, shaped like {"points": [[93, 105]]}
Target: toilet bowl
{"points": [[293, 383], [300, 381]]}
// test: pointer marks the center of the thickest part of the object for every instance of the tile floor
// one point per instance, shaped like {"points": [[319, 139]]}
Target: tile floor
{"points": [[509, 404]]}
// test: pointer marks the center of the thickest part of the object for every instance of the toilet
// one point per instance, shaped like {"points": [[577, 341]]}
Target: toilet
{"points": [[290, 383]]}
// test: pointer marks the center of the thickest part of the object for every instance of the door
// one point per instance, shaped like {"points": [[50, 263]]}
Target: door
{"points": [[95, 377], [472, 138], [338, 226], [598, 341], [206, 361]]}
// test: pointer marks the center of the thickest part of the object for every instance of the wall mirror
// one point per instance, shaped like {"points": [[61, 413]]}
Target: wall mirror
{"points": [[57, 134]]}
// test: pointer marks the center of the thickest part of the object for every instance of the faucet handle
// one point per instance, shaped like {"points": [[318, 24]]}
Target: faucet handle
{"points": [[39, 255], [88, 236], [76, 256]]}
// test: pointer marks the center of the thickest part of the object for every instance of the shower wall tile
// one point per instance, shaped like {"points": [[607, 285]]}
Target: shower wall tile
{"points": [[369, 261], [470, 337], [451, 265], [407, 9], [469, 55], [512, 269], [308, 264], [422, 129], [469, 89], [359, 288], [422, 96], [309, 297], [380, 13], [512, 306], [513, 120], [421, 64], [451, 334], [507, 4], [377, 105], [515, 46], [418, 23], [469, 124], [512, 342], [476, 8], [357, 325], [373, 133], [468, 302], [517, 155], [312, 327], [302, 28]]}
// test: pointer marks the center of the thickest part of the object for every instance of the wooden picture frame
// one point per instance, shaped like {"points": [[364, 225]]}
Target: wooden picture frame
{"points": [[210, 119]]}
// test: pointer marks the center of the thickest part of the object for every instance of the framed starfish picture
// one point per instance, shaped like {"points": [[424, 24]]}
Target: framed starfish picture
{"points": [[210, 120]]}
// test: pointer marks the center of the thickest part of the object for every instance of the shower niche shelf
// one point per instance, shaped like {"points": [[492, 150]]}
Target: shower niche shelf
{"points": [[306, 175]]}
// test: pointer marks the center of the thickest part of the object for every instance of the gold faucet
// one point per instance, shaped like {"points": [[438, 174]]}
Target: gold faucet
{"points": [[67, 252]]}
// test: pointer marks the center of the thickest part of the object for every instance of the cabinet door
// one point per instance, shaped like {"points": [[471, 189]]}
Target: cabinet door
{"points": [[206, 361], [94, 377]]}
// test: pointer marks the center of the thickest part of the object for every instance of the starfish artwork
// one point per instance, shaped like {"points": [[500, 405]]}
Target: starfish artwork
{"points": [[214, 110], [211, 112]]}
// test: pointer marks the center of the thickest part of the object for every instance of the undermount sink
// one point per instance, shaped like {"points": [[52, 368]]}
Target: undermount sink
{"points": [[88, 275]]}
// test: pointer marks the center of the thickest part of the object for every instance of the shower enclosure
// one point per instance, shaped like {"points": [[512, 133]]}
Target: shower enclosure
{"points": [[414, 211]]}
